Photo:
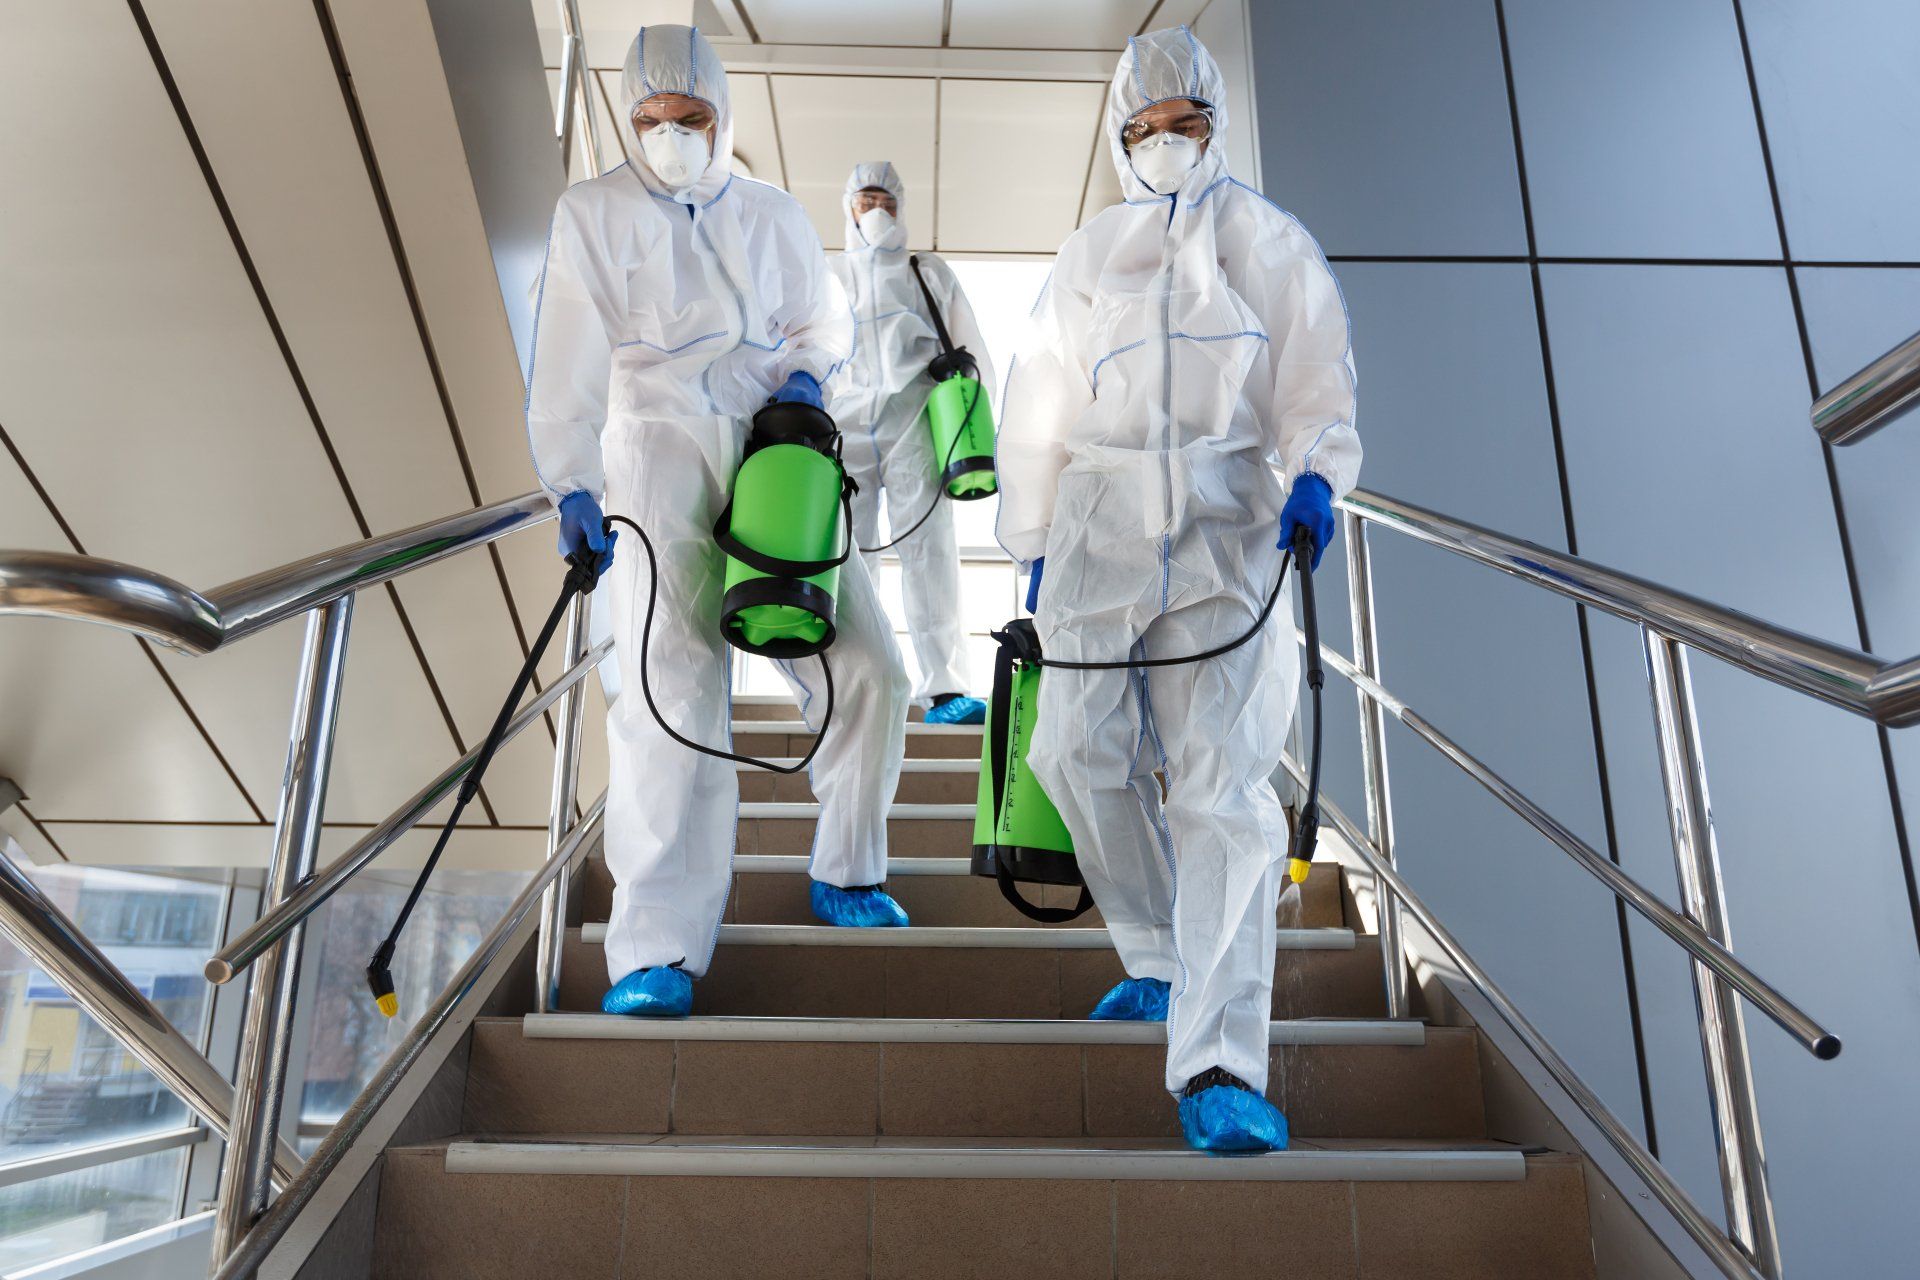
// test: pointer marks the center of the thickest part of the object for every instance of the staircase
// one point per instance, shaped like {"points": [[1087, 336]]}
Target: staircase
{"points": [[931, 1102]]}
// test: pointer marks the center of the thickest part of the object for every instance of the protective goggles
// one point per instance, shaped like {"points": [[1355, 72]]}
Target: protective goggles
{"points": [[692, 114], [1183, 118], [873, 199]]}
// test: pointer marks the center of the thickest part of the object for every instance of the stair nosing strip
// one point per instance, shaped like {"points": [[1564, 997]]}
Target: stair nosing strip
{"points": [[670, 1159], [915, 729], [602, 1026], [965, 937], [912, 764], [909, 812]]}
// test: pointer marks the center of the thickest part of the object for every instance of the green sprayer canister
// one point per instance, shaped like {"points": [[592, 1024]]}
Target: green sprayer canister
{"points": [[786, 532], [958, 412], [1018, 835], [962, 421]]}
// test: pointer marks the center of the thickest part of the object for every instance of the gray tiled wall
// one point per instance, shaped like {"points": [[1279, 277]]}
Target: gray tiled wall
{"points": [[1628, 317]]}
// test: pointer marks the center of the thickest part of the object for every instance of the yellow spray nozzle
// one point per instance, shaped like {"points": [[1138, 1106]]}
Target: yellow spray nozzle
{"points": [[389, 1004], [1297, 869]]}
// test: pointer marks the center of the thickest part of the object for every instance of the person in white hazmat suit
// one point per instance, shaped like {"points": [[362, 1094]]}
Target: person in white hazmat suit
{"points": [[1188, 372], [880, 399], [675, 300]]}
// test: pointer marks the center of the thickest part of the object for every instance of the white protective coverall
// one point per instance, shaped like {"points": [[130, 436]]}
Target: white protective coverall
{"points": [[664, 319], [880, 401], [1189, 359]]}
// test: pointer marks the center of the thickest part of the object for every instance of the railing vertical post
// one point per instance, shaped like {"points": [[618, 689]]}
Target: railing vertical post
{"points": [[1373, 756], [566, 783], [1723, 1028], [576, 91], [260, 1079]]}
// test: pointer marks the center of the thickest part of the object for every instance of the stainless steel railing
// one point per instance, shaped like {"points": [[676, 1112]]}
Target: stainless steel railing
{"points": [[322, 588], [1671, 622], [1871, 398]]}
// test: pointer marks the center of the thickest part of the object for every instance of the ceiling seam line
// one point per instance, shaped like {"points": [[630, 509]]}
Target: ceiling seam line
{"points": [[779, 147], [403, 267], [73, 539], [746, 20], [272, 318], [41, 827]]}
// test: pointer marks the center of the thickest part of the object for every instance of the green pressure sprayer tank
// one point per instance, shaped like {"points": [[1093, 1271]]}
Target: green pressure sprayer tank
{"points": [[1018, 836], [958, 412], [786, 532]]}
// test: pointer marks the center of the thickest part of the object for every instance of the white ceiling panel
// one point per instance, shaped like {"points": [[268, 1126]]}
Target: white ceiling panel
{"points": [[1057, 24], [846, 21], [979, 211], [1103, 182], [755, 141], [828, 124]]}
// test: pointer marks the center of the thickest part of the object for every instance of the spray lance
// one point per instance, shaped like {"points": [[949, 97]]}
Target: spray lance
{"points": [[786, 530]]}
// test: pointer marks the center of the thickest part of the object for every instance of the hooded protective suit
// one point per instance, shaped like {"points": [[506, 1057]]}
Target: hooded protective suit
{"points": [[880, 399], [1188, 360], [664, 319]]}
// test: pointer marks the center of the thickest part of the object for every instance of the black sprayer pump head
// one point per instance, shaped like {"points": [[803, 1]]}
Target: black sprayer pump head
{"points": [[380, 979]]}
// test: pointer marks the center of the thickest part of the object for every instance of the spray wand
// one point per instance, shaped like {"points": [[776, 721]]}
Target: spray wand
{"points": [[1306, 831]]}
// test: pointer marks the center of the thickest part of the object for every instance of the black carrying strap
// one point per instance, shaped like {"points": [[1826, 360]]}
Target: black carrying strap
{"points": [[939, 322], [1014, 649], [723, 535]]}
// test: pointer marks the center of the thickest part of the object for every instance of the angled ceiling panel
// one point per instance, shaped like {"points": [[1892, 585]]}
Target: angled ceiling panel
{"points": [[828, 124], [846, 22], [979, 212], [1058, 24], [756, 144]]}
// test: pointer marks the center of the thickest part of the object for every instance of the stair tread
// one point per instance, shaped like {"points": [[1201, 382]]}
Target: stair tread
{"points": [[915, 728], [895, 812], [1065, 1031], [974, 937], [1461, 1160]]}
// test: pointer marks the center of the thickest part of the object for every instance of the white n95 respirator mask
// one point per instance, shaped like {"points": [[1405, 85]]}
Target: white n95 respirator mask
{"points": [[677, 156], [1164, 160], [874, 224]]}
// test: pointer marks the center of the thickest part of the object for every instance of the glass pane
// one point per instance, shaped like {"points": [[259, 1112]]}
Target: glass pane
{"points": [[53, 1217], [65, 1082], [351, 1038]]}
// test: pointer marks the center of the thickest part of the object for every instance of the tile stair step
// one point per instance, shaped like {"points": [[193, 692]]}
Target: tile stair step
{"points": [[929, 1077], [436, 1225], [772, 889], [770, 739], [906, 981], [922, 781]]}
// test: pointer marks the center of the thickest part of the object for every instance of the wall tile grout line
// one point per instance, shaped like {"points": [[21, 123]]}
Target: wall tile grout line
{"points": [[73, 540], [1901, 836], [247, 265], [1603, 777], [403, 268]]}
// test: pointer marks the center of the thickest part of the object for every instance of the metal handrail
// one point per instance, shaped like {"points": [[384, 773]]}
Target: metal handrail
{"points": [[1884, 692], [1726, 1255], [315, 889], [1815, 1038], [1871, 398], [252, 1249], [92, 589]]}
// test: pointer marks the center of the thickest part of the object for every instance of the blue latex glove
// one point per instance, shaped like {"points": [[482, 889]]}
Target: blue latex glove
{"points": [[800, 388], [1310, 504], [1033, 583], [582, 527]]}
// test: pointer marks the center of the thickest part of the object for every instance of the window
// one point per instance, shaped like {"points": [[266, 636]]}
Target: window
{"points": [[52, 1217], [64, 1081]]}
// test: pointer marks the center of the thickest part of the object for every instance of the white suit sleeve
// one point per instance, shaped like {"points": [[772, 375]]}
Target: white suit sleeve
{"points": [[815, 319], [1047, 391], [1310, 353], [578, 304], [962, 326]]}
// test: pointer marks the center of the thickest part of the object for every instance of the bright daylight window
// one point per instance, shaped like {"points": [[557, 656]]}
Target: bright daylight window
{"points": [[66, 1084]]}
